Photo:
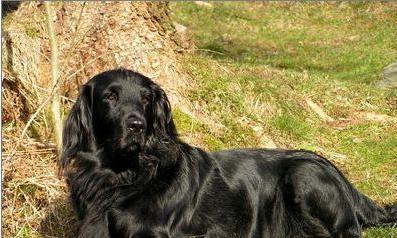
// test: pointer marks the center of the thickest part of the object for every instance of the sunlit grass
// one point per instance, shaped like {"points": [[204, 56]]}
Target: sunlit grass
{"points": [[257, 64]]}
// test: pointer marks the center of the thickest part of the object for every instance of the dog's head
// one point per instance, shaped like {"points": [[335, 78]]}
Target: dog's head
{"points": [[118, 111]]}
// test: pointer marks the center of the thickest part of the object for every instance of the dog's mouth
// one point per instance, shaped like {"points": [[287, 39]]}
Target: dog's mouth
{"points": [[131, 143], [128, 145], [132, 148]]}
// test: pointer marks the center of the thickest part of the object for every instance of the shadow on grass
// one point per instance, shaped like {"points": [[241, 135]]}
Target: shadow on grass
{"points": [[59, 220], [288, 55]]}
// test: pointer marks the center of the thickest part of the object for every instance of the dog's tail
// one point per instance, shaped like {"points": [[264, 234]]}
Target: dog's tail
{"points": [[371, 214]]}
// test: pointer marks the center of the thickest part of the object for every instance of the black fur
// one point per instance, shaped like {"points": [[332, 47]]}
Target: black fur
{"points": [[130, 176]]}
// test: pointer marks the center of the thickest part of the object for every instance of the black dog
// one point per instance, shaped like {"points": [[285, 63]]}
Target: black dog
{"points": [[130, 176]]}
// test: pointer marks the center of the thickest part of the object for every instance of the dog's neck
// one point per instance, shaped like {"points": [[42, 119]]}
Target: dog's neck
{"points": [[177, 184], [119, 161]]}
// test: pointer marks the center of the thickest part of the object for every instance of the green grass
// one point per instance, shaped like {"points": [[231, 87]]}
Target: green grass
{"points": [[185, 123], [298, 36], [290, 126], [24, 232], [257, 63]]}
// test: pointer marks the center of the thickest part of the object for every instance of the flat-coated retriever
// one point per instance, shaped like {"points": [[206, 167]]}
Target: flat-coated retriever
{"points": [[130, 176]]}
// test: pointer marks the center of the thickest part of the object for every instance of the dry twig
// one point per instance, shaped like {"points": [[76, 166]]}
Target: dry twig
{"points": [[56, 104]]}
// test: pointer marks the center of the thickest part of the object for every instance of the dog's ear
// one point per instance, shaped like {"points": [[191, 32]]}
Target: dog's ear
{"points": [[78, 133], [163, 125]]}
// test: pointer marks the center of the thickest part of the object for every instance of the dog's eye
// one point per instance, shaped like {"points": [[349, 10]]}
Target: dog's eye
{"points": [[145, 99], [111, 97]]}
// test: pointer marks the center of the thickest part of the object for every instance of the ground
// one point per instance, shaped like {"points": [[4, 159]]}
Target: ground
{"points": [[287, 75]]}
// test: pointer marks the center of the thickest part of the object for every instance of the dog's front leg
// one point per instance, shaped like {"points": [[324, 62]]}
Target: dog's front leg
{"points": [[93, 226]]}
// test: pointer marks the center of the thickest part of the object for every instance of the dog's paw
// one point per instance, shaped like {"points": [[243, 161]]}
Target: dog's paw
{"points": [[148, 167], [126, 177], [147, 157]]}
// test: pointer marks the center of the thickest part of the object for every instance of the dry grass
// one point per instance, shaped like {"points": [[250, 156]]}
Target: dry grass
{"points": [[34, 197]]}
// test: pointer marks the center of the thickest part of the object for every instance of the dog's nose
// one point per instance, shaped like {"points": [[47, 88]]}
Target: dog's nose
{"points": [[135, 123]]}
